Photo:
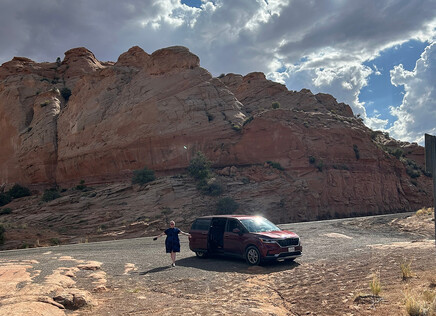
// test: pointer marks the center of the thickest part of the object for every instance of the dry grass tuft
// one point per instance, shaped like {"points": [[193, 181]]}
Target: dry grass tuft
{"points": [[421, 307], [375, 285], [415, 307], [425, 211], [406, 271]]}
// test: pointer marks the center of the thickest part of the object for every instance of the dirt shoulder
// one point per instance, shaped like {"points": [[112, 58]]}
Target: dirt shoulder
{"points": [[318, 288], [334, 285], [323, 287]]}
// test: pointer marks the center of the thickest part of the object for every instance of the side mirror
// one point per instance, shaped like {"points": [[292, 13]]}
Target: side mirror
{"points": [[237, 231]]}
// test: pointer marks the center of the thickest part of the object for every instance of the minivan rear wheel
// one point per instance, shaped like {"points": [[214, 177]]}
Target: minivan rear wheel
{"points": [[201, 254], [252, 255]]}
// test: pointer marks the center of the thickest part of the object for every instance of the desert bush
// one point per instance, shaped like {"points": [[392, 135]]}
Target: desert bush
{"points": [[2, 235], [18, 191], [415, 307], [81, 186], [275, 105], [55, 241], [319, 165], [50, 195], [275, 165], [374, 134], [143, 176], [212, 189], [413, 173], [398, 153], [6, 211], [406, 271], [199, 167], [375, 285], [312, 159], [227, 206], [66, 93], [424, 211], [5, 198]]}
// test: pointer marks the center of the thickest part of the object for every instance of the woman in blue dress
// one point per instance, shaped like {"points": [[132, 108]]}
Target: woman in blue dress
{"points": [[172, 242]]}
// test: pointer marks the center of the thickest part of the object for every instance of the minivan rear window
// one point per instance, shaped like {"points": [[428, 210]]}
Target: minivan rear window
{"points": [[201, 224]]}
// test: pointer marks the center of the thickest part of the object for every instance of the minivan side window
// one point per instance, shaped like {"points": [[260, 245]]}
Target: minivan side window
{"points": [[231, 224], [201, 224]]}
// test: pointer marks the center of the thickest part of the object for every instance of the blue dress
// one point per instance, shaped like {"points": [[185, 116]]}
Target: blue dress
{"points": [[172, 242]]}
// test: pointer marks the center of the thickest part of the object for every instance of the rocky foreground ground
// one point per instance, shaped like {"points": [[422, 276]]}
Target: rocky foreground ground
{"points": [[322, 286]]}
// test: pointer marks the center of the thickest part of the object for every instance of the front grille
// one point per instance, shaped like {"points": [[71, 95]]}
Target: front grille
{"points": [[289, 242]]}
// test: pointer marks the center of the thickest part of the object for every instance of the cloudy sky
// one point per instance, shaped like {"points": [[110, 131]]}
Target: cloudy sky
{"points": [[378, 56]]}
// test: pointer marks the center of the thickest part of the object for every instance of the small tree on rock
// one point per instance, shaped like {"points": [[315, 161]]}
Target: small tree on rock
{"points": [[199, 167], [143, 176]]}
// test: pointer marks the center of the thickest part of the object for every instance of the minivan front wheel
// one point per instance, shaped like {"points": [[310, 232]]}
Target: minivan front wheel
{"points": [[252, 255]]}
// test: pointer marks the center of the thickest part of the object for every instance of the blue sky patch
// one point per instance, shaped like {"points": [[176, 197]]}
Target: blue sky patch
{"points": [[379, 94]]}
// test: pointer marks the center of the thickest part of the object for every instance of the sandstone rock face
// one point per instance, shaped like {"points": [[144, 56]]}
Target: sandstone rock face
{"points": [[158, 110]]}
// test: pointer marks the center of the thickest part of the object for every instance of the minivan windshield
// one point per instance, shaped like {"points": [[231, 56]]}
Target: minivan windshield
{"points": [[258, 224]]}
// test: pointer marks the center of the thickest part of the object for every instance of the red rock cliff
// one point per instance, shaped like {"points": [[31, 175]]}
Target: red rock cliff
{"points": [[158, 110]]}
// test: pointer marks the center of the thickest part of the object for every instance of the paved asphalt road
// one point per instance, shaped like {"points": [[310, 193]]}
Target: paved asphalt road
{"points": [[321, 240]]}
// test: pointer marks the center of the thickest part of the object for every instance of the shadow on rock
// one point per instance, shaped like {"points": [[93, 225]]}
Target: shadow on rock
{"points": [[160, 269]]}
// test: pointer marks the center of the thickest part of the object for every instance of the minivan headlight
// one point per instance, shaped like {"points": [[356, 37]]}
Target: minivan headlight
{"points": [[267, 241]]}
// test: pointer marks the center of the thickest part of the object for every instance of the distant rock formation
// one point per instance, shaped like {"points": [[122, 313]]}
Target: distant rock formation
{"points": [[158, 110]]}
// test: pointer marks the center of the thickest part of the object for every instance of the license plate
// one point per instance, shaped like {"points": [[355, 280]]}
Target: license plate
{"points": [[290, 249]]}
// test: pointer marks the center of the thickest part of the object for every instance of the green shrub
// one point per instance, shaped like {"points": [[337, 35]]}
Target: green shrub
{"points": [[18, 191], [412, 172], [275, 165], [81, 186], [226, 206], [55, 241], [275, 105], [66, 93], [212, 189], [143, 176], [312, 160], [199, 167], [6, 211], [50, 195], [5, 198], [319, 165], [2, 235], [398, 153]]}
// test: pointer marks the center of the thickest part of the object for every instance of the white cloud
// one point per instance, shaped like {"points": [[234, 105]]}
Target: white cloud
{"points": [[315, 44], [417, 114]]}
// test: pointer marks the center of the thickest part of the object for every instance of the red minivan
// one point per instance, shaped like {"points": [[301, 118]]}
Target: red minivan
{"points": [[253, 238]]}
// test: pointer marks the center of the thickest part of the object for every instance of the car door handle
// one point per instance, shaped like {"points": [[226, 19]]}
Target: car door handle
{"points": [[226, 235], [204, 233]]}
